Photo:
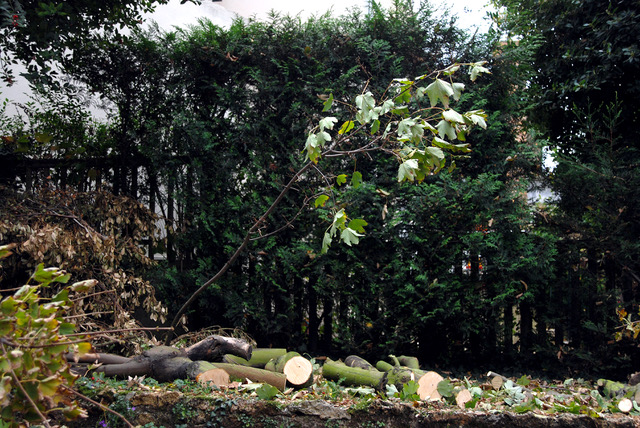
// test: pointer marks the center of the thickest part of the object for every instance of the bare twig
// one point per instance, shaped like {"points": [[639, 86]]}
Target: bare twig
{"points": [[245, 242], [21, 388], [121, 330], [102, 406], [93, 294]]}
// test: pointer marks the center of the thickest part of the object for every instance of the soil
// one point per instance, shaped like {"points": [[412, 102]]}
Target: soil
{"points": [[174, 409]]}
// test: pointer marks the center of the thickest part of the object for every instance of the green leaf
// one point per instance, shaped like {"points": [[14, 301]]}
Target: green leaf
{"points": [[524, 380], [328, 103], [8, 305], [410, 391], [435, 152], [375, 126], [476, 69], [457, 90], [6, 327], [453, 116], [43, 138], [83, 286], [49, 386], [346, 127], [477, 117], [451, 69], [83, 348], [327, 123], [66, 328], [356, 179], [350, 236], [326, 243], [446, 129], [439, 90], [341, 179], [321, 200], [443, 144], [445, 388], [62, 296], [311, 146], [407, 170], [358, 224], [267, 392]]}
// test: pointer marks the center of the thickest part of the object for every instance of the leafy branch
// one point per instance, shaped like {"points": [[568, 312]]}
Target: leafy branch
{"points": [[419, 147]]}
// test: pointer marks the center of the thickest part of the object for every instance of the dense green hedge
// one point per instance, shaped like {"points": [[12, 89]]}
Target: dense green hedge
{"points": [[210, 123]]}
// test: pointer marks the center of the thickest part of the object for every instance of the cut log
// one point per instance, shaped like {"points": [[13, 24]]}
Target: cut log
{"points": [[279, 380], [463, 397], [355, 361], [233, 359], [398, 376], [383, 366], [261, 356], [353, 376], [165, 363], [214, 347], [428, 386], [497, 380], [216, 377], [297, 369], [411, 362], [299, 372], [427, 381], [625, 405]]}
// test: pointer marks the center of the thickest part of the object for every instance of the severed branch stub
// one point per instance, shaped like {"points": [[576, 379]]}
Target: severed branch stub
{"points": [[165, 363], [214, 347]]}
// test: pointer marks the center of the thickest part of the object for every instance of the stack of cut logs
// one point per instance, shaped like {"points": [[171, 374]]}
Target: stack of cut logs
{"points": [[216, 359]]}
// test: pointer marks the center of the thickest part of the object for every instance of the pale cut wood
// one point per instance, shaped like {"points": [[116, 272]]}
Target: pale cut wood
{"points": [[298, 370], [254, 374], [428, 386], [463, 398], [497, 382], [625, 405], [217, 377]]}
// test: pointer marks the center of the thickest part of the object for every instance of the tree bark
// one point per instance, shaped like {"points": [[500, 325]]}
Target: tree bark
{"points": [[353, 376], [214, 347], [356, 361], [165, 363], [278, 380], [259, 357]]}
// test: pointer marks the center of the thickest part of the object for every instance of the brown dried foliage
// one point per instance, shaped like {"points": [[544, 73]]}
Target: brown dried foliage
{"points": [[90, 235]]}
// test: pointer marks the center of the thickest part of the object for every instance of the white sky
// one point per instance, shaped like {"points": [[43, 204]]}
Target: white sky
{"points": [[471, 14]]}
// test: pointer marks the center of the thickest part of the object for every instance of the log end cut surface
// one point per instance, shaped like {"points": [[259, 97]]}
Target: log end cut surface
{"points": [[428, 386], [298, 370], [217, 377]]}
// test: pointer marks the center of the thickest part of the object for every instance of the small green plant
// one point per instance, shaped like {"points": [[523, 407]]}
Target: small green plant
{"points": [[184, 412], [35, 336], [123, 407], [267, 392], [409, 391]]}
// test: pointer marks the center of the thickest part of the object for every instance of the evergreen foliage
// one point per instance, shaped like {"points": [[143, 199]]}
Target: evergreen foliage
{"points": [[208, 128], [578, 62]]}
